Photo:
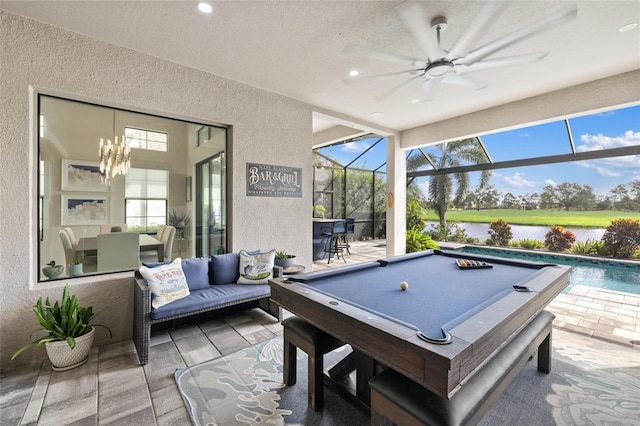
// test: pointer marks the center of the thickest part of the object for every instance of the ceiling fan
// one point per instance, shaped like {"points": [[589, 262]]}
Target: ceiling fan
{"points": [[451, 67]]}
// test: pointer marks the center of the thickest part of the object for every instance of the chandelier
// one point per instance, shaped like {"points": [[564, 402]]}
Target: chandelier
{"points": [[115, 158]]}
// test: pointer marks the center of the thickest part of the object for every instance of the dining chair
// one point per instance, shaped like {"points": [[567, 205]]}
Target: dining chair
{"points": [[72, 236], [113, 227], [118, 251], [168, 236], [160, 232], [69, 248]]}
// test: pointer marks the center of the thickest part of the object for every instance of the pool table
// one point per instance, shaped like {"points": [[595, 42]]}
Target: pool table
{"points": [[437, 331]]}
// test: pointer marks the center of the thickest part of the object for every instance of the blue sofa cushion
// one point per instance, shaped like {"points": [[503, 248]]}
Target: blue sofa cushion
{"points": [[224, 268], [211, 297], [196, 271]]}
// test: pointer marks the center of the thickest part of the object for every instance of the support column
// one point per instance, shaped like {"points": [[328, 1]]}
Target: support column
{"points": [[396, 202]]}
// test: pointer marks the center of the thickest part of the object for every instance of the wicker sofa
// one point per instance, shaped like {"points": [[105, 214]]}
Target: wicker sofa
{"points": [[212, 287]]}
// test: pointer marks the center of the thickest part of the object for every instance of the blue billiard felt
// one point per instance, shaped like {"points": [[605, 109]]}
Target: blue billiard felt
{"points": [[440, 295]]}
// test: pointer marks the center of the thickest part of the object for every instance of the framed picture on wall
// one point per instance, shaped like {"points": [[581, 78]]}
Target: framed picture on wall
{"points": [[85, 209], [82, 176]]}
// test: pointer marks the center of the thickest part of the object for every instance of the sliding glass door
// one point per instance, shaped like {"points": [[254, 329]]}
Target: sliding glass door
{"points": [[211, 199]]}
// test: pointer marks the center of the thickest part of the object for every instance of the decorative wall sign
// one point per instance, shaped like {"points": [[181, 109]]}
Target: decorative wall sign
{"points": [[84, 210], [82, 176], [265, 180]]}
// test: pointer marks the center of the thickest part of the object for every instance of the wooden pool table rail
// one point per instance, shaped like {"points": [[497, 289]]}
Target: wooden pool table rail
{"points": [[440, 368]]}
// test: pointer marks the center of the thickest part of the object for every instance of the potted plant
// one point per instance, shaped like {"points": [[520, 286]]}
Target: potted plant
{"points": [[70, 334], [52, 270], [179, 219], [75, 268], [285, 260]]}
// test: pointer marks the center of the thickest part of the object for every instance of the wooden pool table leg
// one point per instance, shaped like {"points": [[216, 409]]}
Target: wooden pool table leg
{"points": [[365, 370], [544, 354]]}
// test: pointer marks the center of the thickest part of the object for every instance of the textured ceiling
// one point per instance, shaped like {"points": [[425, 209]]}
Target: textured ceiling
{"points": [[296, 48]]}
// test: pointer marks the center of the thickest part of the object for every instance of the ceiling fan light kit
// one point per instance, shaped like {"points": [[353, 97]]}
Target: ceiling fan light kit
{"points": [[450, 67]]}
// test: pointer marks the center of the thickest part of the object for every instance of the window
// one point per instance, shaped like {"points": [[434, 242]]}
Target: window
{"points": [[73, 198], [146, 139], [146, 194]]}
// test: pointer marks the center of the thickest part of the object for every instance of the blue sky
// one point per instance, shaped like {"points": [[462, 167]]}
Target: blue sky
{"points": [[611, 129]]}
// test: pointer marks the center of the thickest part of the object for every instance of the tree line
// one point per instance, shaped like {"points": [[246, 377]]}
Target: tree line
{"points": [[566, 196]]}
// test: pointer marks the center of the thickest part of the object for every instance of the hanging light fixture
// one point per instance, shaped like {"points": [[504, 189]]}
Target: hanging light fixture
{"points": [[115, 158]]}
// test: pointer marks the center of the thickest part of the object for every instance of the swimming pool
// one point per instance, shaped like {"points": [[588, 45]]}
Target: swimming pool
{"points": [[599, 273]]}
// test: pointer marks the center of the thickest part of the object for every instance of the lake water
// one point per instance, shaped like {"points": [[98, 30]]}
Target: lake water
{"points": [[481, 231]]}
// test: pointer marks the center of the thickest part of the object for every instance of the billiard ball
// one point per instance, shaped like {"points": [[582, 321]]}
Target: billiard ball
{"points": [[404, 285]]}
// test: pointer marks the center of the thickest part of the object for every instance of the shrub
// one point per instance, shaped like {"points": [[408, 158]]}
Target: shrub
{"points": [[622, 237], [417, 240], [414, 215], [557, 239], [586, 248], [500, 232], [451, 232], [527, 243], [472, 240]]}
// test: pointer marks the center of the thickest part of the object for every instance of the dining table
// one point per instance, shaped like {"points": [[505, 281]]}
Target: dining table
{"points": [[89, 245]]}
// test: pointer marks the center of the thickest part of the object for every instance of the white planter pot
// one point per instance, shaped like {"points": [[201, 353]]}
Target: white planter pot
{"points": [[75, 269], [64, 358]]}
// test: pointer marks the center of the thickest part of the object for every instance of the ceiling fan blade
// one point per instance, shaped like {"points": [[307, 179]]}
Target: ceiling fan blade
{"points": [[414, 17], [463, 81], [396, 89], [480, 23], [366, 53], [499, 62], [361, 79], [429, 88], [518, 35]]}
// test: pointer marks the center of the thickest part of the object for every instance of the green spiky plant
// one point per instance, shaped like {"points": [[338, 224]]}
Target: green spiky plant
{"points": [[281, 254], [64, 321]]}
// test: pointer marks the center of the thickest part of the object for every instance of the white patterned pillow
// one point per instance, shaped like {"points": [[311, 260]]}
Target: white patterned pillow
{"points": [[256, 268], [167, 282]]}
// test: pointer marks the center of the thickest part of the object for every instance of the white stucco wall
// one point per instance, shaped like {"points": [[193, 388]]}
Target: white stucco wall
{"points": [[266, 128]]}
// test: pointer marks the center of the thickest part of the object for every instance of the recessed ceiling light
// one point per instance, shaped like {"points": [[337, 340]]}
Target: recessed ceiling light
{"points": [[415, 101], [205, 7], [376, 114], [354, 73], [628, 27]]}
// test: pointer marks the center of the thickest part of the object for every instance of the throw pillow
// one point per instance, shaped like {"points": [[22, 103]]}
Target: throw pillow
{"points": [[196, 271], [224, 268], [166, 282], [256, 269]]}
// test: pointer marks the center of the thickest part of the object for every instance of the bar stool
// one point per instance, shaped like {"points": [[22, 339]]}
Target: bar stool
{"points": [[336, 235], [315, 343]]}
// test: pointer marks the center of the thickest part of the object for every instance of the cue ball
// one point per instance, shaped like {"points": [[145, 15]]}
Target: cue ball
{"points": [[404, 285]]}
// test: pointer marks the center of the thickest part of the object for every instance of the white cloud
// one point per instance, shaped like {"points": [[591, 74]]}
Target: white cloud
{"points": [[517, 180], [550, 182], [600, 141], [600, 170], [356, 147]]}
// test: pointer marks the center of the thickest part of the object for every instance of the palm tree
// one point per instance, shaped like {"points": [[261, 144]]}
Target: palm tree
{"points": [[441, 186]]}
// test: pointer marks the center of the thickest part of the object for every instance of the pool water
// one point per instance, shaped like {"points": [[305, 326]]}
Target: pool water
{"points": [[604, 274]]}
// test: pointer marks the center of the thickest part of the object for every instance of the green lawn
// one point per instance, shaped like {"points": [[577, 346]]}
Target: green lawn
{"points": [[587, 219]]}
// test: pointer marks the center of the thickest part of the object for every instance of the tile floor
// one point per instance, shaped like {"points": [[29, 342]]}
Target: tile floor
{"points": [[112, 388]]}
